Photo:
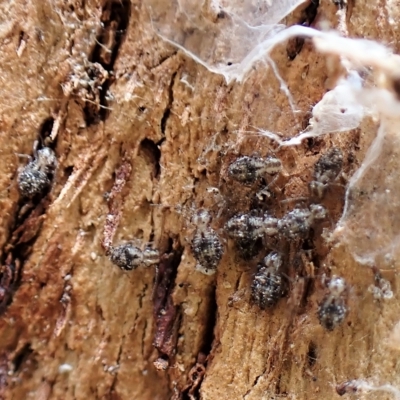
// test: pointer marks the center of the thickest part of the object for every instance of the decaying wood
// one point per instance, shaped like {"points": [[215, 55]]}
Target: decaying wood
{"points": [[144, 137]]}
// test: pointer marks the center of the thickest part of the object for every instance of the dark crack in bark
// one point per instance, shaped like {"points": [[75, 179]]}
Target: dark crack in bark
{"points": [[167, 110], [166, 313], [295, 45], [115, 21]]}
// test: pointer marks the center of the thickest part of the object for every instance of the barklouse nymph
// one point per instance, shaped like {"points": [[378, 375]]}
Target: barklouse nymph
{"points": [[248, 230], [333, 308], [326, 170], [298, 222], [36, 176], [129, 257], [248, 170], [206, 245], [382, 288], [268, 285]]}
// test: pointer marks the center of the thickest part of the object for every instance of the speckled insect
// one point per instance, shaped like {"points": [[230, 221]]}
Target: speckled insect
{"points": [[128, 257], [333, 308], [247, 231], [206, 245], [37, 174], [326, 170], [298, 222], [268, 285], [248, 170]]}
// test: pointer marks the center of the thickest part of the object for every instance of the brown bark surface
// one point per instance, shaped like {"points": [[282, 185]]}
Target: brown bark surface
{"points": [[126, 108]]}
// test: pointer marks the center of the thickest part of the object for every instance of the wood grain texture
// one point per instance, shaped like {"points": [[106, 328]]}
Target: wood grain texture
{"points": [[74, 326]]}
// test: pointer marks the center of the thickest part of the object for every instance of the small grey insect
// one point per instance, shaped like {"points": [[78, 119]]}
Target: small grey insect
{"points": [[206, 245], [333, 308], [247, 231], [268, 285], [326, 170], [37, 174], [298, 222], [245, 226], [248, 170], [128, 257]]}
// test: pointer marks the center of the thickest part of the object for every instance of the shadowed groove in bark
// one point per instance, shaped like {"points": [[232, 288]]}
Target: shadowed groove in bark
{"points": [[18, 250], [295, 45], [117, 364], [311, 354], [115, 21], [166, 313], [153, 152], [197, 372], [167, 110], [22, 356], [45, 131], [212, 311]]}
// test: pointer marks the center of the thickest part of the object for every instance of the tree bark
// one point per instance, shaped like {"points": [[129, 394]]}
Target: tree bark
{"points": [[144, 137]]}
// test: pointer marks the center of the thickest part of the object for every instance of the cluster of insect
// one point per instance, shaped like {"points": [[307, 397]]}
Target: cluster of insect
{"points": [[253, 231], [36, 177], [250, 232]]}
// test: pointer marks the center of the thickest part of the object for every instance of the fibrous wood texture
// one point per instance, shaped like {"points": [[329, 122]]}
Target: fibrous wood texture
{"points": [[144, 136]]}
